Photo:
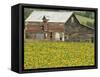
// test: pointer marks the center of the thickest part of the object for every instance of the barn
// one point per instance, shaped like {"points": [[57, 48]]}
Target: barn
{"points": [[56, 25]]}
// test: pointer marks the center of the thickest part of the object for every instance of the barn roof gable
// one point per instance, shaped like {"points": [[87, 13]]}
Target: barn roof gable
{"points": [[53, 16]]}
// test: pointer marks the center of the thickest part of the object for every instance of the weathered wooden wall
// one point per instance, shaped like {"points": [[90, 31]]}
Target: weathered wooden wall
{"points": [[74, 31], [34, 28]]}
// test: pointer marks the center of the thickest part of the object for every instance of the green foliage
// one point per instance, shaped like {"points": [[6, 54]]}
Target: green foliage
{"points": [[47, 54], [27, 12]]}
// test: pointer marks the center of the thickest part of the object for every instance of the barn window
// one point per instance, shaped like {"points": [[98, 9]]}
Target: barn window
{"points": [[72, 20]]}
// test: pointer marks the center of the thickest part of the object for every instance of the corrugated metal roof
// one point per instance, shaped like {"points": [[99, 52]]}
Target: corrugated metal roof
{"points": [[53, 16]]}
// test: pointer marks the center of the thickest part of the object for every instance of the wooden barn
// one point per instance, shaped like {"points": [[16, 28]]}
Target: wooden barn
{"points": [[56, 25]]}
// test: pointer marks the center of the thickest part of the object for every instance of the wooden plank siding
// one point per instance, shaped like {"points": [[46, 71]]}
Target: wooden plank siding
{"points": [[74, 31]]}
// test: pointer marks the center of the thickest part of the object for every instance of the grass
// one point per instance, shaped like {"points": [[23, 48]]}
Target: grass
{"points": [[46, 54], [84, 20]]}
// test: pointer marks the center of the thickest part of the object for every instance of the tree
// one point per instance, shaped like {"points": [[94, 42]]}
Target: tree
{"points": [[27, 12]]}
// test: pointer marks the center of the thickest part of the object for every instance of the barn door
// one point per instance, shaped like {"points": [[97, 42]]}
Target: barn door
{"points": [[51, 35], [62, 36], [57, 36]]}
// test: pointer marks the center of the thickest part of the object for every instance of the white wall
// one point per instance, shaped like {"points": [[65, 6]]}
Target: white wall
{"points": [[5, 40]]}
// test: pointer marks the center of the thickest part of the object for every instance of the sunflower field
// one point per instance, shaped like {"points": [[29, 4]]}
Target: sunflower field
{"points": [[47, 54]]}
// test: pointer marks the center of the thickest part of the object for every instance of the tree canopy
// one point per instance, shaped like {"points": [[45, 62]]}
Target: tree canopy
{"points": [[27, 12]]}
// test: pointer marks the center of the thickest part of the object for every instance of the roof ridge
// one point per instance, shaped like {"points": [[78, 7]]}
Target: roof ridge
{"points": [[54, 16]]}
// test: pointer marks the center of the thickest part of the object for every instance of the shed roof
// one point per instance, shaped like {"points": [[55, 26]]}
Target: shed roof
{"points": [[84, 20], [53, 16]]}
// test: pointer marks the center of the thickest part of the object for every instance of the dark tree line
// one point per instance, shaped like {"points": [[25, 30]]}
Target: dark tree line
{"points": [[27, 12]]}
